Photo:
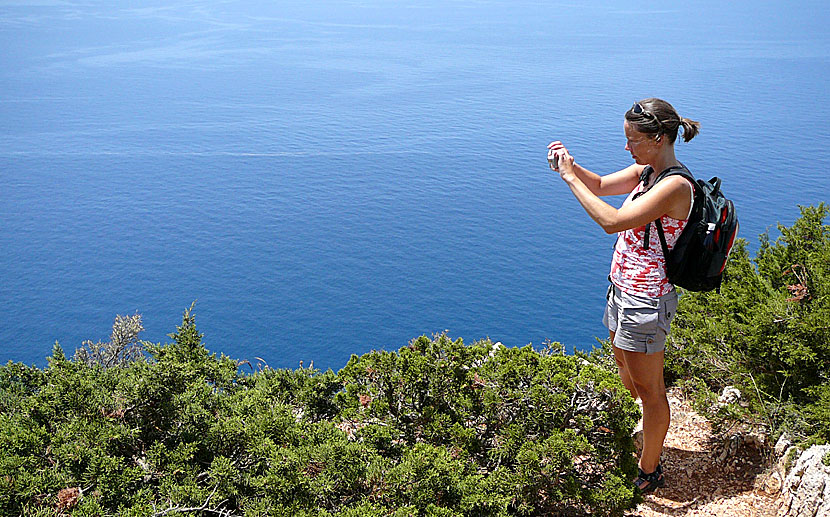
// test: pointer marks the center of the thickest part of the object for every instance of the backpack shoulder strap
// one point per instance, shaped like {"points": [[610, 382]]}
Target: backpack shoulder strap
{"points": [[674, 170], [680, 170], [644, 175], [662, 236]]}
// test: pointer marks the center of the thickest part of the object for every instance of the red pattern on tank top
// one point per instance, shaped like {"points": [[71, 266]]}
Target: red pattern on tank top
{"points": [[641, 271]]}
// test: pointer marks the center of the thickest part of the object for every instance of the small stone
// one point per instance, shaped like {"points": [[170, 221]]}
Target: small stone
{"points": [[638, 441], [782, 445], [773, 483], [730, 395]]}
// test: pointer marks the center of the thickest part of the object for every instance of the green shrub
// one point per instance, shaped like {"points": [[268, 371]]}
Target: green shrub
{"points": [[767, 331], [438, 428], [122, 348], [554, 430]]}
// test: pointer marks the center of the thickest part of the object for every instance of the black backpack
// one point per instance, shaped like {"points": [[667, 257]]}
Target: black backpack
{"points": [[698, 258]]}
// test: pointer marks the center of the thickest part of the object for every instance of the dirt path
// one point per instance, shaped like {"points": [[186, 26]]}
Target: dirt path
{"points": [[697, 484]]}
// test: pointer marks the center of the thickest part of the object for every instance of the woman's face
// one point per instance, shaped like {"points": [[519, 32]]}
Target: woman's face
{"points": [[643, 147]]}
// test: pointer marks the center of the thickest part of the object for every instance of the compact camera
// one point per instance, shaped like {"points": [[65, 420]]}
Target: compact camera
{"points": [[553, 160]]}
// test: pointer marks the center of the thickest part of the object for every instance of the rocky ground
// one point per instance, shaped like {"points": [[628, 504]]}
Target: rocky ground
{"points": [[708, 477]]}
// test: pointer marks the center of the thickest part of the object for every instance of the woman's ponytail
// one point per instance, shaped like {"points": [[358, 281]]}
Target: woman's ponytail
{"points": [[657, 117], [690, 128]]}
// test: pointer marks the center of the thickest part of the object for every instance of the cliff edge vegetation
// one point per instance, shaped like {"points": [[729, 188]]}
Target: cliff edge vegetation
{"points": [[765, 334], [437, 428]]}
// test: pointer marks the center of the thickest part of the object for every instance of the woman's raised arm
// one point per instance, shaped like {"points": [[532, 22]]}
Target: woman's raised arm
{"points": [[613, 184]]}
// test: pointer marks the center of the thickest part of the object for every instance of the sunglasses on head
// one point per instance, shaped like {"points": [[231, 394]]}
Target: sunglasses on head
{"points": [[638, 109]]}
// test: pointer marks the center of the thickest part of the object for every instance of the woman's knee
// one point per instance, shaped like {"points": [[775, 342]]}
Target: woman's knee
{"points": [[650, 393], [650, 387]]}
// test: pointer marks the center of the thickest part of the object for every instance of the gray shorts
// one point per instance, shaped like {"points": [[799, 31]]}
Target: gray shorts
{"points": [[640, 323]]}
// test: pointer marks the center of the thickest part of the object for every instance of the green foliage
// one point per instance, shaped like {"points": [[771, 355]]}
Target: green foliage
{"points": [[767, 331], [817, 412], [438, 428], [554, 430], [122, 348]]}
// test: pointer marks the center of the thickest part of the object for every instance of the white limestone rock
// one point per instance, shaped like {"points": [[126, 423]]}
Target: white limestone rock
{"points": [[807, 486]]}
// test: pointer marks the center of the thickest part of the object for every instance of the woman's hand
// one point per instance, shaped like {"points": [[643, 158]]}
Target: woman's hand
{"points": [[566, 166], [566, 161]]}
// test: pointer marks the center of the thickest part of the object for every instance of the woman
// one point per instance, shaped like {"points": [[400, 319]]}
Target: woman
{"points": [[641, 301]]}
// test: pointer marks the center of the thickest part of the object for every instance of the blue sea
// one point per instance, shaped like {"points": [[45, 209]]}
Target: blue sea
{"points": [[329, 178]]}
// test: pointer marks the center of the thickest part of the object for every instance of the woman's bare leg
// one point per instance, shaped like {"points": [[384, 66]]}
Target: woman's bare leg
{"points": [[646, 375], [622, 368]]}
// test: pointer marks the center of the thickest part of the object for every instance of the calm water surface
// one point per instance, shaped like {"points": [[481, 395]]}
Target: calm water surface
{"points": [[330, 179]]}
